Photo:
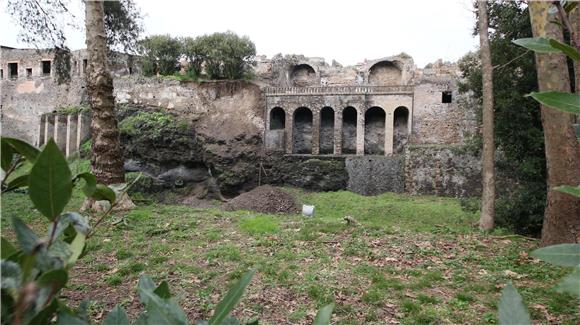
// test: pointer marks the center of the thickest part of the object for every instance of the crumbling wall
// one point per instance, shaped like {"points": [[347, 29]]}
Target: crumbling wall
{"points": [[442, 170], [375, 175]]}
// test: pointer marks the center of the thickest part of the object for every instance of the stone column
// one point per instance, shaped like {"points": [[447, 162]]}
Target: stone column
{"points": [[289, 125], [71, 134], [60, 131], [315, 131], [338, 132], [389, 125], [48, 127], [83, 128], [41, 127], [360, 132]]}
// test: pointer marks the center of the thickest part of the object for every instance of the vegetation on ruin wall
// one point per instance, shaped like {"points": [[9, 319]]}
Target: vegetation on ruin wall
{"points": [[518, 127], [152, 124]]}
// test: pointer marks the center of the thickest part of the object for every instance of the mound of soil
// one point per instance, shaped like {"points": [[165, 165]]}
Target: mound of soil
{"points": [[264, 199]]}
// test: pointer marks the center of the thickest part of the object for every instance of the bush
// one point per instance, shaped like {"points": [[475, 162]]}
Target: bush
{"points": [[152, 124], [161, 55]]}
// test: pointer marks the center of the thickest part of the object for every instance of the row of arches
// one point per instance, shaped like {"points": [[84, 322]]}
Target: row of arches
{"points": [[382, 73], [376, 133]]}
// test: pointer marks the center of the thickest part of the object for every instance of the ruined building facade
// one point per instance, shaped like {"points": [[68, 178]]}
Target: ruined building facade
{"points": [[381, 125]]}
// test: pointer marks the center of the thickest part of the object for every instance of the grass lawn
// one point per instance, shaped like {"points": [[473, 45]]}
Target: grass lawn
{"points": [[410, 260]]}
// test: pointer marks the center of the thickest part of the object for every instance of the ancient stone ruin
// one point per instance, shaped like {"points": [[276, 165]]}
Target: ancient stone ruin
{"points": [[381, 125]]}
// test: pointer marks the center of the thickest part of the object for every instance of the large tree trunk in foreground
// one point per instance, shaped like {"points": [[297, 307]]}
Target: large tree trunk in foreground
{"points": [[107, 156], [487, 218], [562, 215]]}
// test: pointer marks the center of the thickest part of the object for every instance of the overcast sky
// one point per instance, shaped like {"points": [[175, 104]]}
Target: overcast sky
{"points": [[347, 31]]}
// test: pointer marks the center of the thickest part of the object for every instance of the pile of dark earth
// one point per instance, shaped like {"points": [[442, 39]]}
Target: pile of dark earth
{"points": [[264, 199]]}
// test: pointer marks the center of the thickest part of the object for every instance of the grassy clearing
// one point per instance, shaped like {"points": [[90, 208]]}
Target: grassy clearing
{"points": [[412, 260]]}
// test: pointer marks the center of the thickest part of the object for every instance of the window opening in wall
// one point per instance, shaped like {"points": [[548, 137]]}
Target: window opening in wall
{"points": [[349, 120], [29, 73], [1, 73], [446, 97], [130, 70], [302, 131], [75, 67], [277, 119], [46, 67], [375, 131], [400, 129], [13, 70], [327, 130], [85, 64]]}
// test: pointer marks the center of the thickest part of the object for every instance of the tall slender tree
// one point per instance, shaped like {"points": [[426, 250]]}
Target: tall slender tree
{"points": [[486, 221], [562, 215]]}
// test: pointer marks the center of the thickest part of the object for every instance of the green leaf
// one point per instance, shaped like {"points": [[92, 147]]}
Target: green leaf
{"points": [[145, 285], [570, 5], [11, 275], [103, 192], [90, 183], [20, 181], [511, 308], [574, 191], [231, 299], [66, 318], [565, 102], [50, 183], [24, 149], [163, 290], [76, 247], [538, 44], [26, 238], [45, 316], [6, 248], [117, 316], [323, 315], [566, 49], [162, 311], [6, 154], [561, 255], [571, 283], [55, 279], [79, 222]]}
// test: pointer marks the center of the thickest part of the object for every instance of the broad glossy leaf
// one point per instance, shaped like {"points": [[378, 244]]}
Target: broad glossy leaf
{"points": [[103, 192], [538, 44], [145, 284], [561, 255], [24, 149], [571, 283], [6, 248], [45, 315], [50, 183], [90, 183], [20, 181], [66, 318], [26, 238], [323, 315], [163, 311], [511, 308], [117, 316], [231, 299], [55, 257], [566, 49], [565, 102], [6, 154], [11, 275], [574, 191], [163, 290], [56, 279], [78, 221], [77, 246]]}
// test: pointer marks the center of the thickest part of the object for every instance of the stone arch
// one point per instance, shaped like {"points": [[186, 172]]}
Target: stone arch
{"points": [[302, 131], [349, 124], [400, 129], [375, 131], [327, 130], [277, 118], [303, 75], [385, 73]]}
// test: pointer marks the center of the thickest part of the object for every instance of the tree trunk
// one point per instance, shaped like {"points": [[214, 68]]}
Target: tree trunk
{"points": [[107, 157], [486, 221], [562, 215]]}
